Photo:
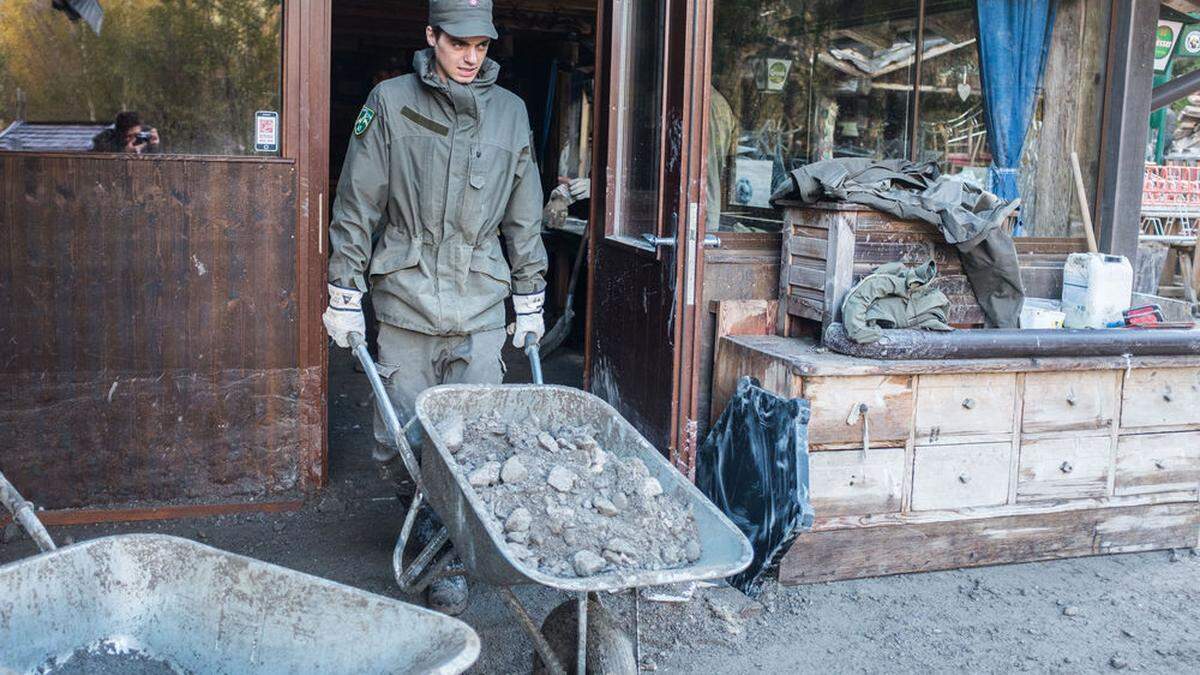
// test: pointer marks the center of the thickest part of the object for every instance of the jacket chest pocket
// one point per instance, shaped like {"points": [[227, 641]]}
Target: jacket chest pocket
{"points": [[489, 180]]}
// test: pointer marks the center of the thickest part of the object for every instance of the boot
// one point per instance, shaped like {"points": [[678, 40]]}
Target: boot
{"points": [[448, 595]]}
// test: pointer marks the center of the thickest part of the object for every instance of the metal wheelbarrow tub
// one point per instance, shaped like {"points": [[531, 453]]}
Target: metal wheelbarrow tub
{"points": [[208, 611], [479, 541]]}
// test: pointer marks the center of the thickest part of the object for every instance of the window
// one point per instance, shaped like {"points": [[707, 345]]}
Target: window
{"points": [[799, 81], [200, 76]]}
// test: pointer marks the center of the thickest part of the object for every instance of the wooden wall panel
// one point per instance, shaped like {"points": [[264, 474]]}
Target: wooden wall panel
{"points": [[149, 347]]}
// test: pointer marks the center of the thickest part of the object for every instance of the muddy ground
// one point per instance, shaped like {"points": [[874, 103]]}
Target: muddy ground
{"points": [[1136, 612]]}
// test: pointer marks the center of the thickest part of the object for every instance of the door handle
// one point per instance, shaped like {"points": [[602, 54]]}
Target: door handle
{"points": [[710, 240]]}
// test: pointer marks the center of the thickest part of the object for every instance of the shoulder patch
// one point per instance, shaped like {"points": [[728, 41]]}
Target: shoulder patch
{"points": [[365, 117]]}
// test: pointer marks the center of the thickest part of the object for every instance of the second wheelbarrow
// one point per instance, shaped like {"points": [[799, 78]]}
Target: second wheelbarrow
{"points": [[479, 542]]}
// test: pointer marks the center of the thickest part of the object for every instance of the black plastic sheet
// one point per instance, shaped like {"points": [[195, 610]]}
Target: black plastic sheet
{"points": [[754, 466]]}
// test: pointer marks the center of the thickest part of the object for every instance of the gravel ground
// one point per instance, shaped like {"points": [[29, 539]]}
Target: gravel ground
{"points": [[1135, 612]]}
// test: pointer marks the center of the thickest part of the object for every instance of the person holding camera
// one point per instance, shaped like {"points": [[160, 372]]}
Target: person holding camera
{"points": [[127, 134]]}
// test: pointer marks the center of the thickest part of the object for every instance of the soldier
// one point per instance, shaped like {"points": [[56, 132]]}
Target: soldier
{"points": [[440, 160]]}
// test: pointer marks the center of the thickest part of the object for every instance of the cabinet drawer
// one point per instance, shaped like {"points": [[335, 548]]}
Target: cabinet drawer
{"points": [[849, 483], [833, 399], [957, 476], [1064, 468], [1161, 398], [1158, 463], [960, 405], [1070, 401]]}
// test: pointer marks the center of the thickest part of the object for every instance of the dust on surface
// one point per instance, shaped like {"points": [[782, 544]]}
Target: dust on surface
{"points": [[109, 657], [568, 506]]}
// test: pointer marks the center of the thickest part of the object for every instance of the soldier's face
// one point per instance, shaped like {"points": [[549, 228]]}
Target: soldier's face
{"points": [[458, 58]]}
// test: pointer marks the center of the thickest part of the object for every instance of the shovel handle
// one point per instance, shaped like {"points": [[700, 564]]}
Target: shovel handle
{"points": [[384, 404]]}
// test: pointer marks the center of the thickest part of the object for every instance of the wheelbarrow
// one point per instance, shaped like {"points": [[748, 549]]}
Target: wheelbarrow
{"points": [[194, 608], [479, 542]]}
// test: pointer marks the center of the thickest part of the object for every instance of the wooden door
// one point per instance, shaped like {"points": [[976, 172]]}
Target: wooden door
{"points": [[645, 241]]}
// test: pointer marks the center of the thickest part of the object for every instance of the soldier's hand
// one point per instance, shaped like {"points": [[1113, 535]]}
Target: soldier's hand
{"points": [[529, 318], [344, 314], [579, 189]]}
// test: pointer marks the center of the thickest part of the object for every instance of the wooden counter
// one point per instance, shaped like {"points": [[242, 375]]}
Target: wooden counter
{"points": [[970, 462]]}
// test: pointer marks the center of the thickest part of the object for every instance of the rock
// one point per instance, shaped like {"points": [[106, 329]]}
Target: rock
{"points": [[692, 551], [1173, 555], [556, 525], [588, 563], [547, 441], [12, 532], [518, 521], [650, 487], [561, 479], [520, 537], [599, 458], [619, 545], [520, 551], [1118, 662], [488, 474], [571, 538], [513, 471], [68, 540], [330, 504], [451, 431], [620, 501], [605, 507], [1127, 633], [1070, 611]]}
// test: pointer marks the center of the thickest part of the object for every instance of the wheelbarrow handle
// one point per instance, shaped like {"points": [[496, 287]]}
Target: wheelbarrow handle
{"points": [[383, 402], [535, 358], [22, 512]]}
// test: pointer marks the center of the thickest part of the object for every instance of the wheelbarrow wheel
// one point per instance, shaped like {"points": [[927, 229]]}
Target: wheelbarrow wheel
{"points": [[609, 648]]}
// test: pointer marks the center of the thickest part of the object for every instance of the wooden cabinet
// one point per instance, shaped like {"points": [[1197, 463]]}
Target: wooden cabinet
{"points": [[1161, 397], [950, 406], [980, 461], [960, 476], [852, 482], [1067, 467], [1070, 401]]}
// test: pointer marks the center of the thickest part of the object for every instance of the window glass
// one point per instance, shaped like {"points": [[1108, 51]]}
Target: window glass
{"points": [[178, 76], [637, 88], [951, 125], [800, 81]]}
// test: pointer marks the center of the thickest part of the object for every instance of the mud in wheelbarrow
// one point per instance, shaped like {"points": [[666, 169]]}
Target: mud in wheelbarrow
{"points": [[201, 610]]}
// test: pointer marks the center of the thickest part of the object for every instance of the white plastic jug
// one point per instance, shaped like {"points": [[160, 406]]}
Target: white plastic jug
{"points": [[1096, 289]]}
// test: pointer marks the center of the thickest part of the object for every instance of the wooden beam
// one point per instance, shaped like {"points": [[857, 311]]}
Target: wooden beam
{"points": [[130, 515], [1126, 122]]}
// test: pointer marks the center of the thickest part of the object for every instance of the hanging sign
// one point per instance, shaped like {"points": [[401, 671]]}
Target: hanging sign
{"points": [[1164, 43], [1189, 41], [266, 131]]}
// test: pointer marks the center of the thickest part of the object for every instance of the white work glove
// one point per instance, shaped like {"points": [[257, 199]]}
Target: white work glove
{"points": [[344, 315], [529, 318], [579, 189], [561, 197]]}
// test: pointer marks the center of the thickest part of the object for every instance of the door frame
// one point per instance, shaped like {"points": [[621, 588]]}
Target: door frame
{"points": [[683, 124]]}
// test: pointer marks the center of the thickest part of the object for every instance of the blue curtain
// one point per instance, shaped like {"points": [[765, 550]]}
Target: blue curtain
{"points": [[1014, 38]]}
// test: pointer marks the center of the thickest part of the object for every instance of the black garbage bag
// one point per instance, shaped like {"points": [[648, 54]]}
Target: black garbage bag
{"points": [[754, 466]]}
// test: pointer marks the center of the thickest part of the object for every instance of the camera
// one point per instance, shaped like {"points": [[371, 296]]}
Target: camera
{"points": [[142, 137]]}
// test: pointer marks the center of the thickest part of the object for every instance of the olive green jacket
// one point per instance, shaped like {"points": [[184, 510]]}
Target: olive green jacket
{"points": [[441, 168]]}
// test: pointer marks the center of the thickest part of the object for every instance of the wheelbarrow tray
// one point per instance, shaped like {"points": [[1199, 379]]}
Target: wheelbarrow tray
{"points": [[208, 611], [479, 540]]}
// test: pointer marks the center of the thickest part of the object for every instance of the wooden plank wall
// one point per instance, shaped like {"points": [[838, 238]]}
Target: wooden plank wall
{"points": [[149, 341], [1073, 91]]}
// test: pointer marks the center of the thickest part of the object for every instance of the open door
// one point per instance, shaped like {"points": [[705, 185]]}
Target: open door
{"points": [[644, 238]]}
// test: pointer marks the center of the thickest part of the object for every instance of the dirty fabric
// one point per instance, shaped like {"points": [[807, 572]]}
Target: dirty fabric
{"points": [[895, 296], [969, 218], [754, 467], [411, 362]]}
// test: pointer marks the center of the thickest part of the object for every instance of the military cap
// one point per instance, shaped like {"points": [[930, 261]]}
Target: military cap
{"points": [[463, 18]]}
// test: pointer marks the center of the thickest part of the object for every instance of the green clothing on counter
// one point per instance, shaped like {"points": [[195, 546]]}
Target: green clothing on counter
{"points": [[895, 296], [443, 168]]}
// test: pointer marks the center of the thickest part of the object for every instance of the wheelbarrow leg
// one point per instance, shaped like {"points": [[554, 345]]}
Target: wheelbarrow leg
{"points": [[549, 658], [581, 649], [637, 626]]}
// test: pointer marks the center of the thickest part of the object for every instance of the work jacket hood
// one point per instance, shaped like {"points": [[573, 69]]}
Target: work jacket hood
{"points": [[434, 173]]}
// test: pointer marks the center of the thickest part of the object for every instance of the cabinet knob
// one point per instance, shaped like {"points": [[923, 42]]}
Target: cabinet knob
{"points": [[1159, 464], [964, 478], [1071, 399], [969, 403], [1167, 395], [1066, 467]]}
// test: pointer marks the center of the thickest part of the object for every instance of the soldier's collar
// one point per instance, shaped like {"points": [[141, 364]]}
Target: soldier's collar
{"points": [[423, 64]]}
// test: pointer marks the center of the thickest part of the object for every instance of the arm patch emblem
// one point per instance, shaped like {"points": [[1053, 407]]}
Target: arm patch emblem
{"points": [[365, 117]]}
